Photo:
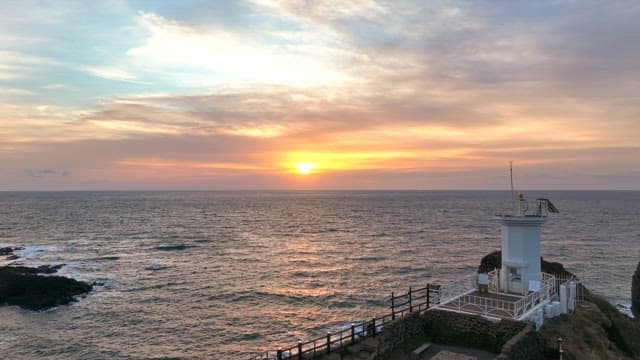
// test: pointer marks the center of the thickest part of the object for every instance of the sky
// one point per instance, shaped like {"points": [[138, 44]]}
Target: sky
{"points": [[335, 94]]}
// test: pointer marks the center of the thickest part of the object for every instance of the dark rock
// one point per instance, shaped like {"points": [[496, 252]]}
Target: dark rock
{"points": [[42, 269], [555, 268], [172, 247], [9, 250], [23, 286], [490, 261], [494, 260], [105, 258], [49, 269]]}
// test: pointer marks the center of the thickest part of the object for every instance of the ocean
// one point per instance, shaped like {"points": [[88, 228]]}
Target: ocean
{"points": [[225, 275]]}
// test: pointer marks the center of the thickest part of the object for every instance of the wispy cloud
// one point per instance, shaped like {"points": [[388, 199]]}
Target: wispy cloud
{"points": [[19, 64], [56, 86], [41, 173], [110, 73], [15, 92]]}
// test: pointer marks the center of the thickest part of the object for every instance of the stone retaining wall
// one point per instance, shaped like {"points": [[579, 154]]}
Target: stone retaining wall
{"points": [[451, 328]]}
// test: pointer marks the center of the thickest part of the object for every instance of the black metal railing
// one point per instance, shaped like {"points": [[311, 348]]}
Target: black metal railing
{"points": [[415, 300]]}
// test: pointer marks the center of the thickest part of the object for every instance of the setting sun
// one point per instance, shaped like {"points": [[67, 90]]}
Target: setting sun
{"points": [[305, 167]]}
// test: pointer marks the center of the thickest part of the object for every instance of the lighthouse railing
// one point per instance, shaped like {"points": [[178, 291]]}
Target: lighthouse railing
{"points": [[495, 303], [532, 299], [457, 288], [550, 280], [482, 305]]}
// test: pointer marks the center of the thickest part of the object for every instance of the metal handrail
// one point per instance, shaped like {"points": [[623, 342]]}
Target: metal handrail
{"points": [[455, 294], [415, 300]]}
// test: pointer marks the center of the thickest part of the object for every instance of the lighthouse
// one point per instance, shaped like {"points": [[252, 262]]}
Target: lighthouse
{"points": [[520, 271]]}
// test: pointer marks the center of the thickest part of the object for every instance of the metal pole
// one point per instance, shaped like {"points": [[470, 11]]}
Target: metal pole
{"points": [[513, 194], [328, 342], [353, 334], [279, 354], [560, 351], [373, 325], [410, 306], [393, 309], [299, 350]]}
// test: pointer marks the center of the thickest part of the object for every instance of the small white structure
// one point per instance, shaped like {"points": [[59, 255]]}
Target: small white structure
{"points": [[518, 289], [520, 271]]}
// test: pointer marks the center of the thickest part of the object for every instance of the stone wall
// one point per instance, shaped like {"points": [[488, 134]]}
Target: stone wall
{"points": [[454, 329], [470, 330], [397, 333]]}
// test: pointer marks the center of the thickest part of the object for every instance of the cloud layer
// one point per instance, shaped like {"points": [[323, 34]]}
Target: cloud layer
{"points": [[378, 95]]}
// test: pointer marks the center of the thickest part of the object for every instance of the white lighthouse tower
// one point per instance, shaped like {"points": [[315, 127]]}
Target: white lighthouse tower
{"points": [[520, 272]]}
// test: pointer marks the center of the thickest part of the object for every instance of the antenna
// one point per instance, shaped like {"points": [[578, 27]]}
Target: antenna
{"points": [[513, 194]]}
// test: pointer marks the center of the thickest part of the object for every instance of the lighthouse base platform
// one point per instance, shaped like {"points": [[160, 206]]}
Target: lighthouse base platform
{"points": [[472, 298]]}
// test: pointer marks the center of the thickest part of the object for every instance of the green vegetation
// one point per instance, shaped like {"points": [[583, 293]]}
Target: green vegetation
{"points": [[596, 330]]}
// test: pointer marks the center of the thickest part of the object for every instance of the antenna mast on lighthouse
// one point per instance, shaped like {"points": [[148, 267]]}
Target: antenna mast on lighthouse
{"points": [[513, 194]]}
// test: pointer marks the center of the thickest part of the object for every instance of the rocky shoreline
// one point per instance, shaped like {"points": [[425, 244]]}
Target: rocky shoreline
{"points": [[33, 288]]}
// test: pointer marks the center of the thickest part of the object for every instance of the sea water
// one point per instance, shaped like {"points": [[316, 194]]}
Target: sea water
{"points": [[217, 275]]}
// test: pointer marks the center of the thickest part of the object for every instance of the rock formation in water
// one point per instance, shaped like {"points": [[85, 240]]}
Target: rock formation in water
{"points": [[172, 247], [25, 287], [29, 289], [8, 250]]}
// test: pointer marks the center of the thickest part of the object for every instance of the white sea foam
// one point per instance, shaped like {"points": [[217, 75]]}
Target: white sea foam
{"points": [[34, 252], [625, 309], [77, 270]]}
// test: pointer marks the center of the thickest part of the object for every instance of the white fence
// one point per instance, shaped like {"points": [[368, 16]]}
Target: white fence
{"points": [[457, 295], [528, 302], [457, 288], [482, 305]]}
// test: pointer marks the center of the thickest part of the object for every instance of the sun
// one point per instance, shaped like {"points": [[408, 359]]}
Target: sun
{"points": [[305, 168]]}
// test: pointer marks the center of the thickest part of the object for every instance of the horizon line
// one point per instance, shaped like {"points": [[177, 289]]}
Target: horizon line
{"points": [[308, 190]]}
